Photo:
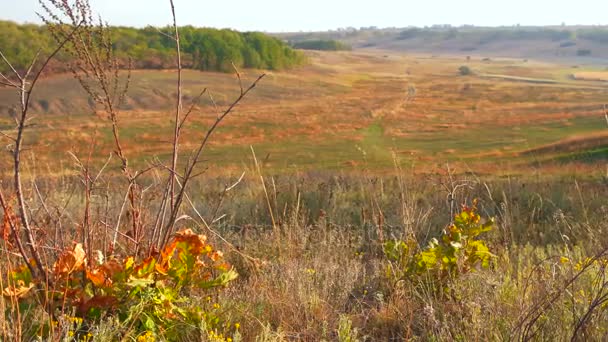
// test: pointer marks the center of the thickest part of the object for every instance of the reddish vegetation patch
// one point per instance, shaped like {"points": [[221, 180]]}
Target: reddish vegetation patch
{"points": [[336, 98]]}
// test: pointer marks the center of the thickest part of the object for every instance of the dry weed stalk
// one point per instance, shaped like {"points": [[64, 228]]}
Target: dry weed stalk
{"points": [[25, 84], [530, 323], [98, 71]]}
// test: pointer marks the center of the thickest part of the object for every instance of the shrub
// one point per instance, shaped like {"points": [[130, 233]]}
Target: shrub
{"points": [[458, 250], [149, 295], [465, 70]]}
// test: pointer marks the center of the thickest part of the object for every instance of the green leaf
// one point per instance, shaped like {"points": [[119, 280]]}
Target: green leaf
{"points": [[149, 323]]}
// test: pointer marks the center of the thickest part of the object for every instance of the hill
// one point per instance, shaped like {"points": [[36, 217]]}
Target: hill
{"points": [[343, 111], [567, 43]]}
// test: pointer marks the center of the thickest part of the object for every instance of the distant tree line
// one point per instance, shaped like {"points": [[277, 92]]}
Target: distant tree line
{"points": [[324, 45], [486, 35], [203, 48], [598, 35], [468, 33]]}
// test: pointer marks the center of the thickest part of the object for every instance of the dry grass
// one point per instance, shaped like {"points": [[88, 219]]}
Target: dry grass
{"points": [[591, 75], [321, 273], [321, 116], [308, 241]]}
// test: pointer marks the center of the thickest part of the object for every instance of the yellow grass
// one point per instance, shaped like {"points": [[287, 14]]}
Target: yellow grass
{"points": [[592, 75], [341, 111]]}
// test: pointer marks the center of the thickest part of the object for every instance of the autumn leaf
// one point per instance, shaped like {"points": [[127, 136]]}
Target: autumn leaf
{"points": [[145, 268], [195, 243], [70, 261], [19, 291], [99, 278]]}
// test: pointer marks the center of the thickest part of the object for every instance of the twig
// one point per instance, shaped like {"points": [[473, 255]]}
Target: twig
{"points": [[191, 109], [238, 75], [13, 226], [257, 166], [9, 84], [178, 108], [10, 66], [190, 168], [7, 136], [26, 95], [8, 81]]}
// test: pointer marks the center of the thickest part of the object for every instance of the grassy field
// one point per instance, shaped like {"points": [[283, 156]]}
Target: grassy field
{"points": [[343, 111], [394, 200]]}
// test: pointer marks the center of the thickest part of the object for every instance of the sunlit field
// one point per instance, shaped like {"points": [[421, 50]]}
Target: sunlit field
{"points": [[364, 194], [350, 111]]}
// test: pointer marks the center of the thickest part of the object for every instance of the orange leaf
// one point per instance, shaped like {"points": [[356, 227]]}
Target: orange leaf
{"points": [[162, 268], [215, 256], [145, 268], [70, 261], [99, 278], [168, 251], [195, 242]]}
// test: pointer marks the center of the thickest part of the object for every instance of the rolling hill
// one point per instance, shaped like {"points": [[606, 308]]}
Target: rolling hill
{"points": [[571, 44], [342, 111]]}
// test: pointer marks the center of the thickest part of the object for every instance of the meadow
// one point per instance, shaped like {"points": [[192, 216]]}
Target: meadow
{"points": [[348, 109], [367, 195]]}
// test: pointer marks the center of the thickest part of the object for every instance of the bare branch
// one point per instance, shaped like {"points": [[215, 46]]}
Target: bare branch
{"points": [[102, 168], [238, 75], [215, 106], [10, 66], [7, 81], [25, 95], [195, 102], [15, 232], [165, 34], [7, 136], [178, 108], [31, 66], [192, 165], [235, 183], [46, 62], [8, 84]]}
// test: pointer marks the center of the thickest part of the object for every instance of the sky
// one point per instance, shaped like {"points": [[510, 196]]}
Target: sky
{"points": [[318, 15]]}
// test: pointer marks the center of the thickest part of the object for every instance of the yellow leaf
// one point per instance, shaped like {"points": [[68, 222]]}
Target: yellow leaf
{"points": [[19, 291]]}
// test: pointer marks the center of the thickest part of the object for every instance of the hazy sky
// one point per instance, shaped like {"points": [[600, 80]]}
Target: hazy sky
{"points": [[306, 15]]}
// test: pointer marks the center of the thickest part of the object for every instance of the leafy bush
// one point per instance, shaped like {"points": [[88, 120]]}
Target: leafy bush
{"points": [[458, 250], [465, 70], [150, 295]]}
